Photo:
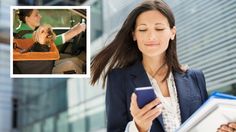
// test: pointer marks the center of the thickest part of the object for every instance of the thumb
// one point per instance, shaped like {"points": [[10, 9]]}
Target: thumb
{"points": [[134, 99], [134, 96]]}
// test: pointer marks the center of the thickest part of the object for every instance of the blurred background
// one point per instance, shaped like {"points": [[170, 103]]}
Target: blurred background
{"points": [[206, 32]]}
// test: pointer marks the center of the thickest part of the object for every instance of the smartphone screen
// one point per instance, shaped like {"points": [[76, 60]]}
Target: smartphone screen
{"points": [[145, 95]]}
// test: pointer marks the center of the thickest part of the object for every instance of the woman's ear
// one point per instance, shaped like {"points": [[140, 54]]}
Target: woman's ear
{"points": [[173, 33], [26, 19], [134, 37]]}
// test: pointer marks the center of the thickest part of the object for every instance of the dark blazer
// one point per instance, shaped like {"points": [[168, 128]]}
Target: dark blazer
{"points": [[191, 90]]}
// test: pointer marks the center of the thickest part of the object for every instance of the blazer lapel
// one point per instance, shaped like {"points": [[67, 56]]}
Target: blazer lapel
{"points": [[140, 79], [139, 76], [183, 86]]}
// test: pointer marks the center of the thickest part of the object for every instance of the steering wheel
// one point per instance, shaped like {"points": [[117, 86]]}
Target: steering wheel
{"points": [[78, 44]]}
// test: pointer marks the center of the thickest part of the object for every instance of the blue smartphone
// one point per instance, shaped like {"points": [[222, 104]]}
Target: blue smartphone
{"points": [[145, 95]]}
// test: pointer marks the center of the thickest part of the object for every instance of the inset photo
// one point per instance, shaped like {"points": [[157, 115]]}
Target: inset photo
{"points": [[50, 41]]}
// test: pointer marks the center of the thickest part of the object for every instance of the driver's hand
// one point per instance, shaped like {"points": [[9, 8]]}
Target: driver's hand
{"points": [[77, 29], [80, 27]]}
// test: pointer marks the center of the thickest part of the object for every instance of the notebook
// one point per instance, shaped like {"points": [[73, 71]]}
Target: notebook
{"points": [[217, 110]]}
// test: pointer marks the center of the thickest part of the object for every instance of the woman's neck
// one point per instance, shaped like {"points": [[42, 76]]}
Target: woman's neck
{"points": [[31, 26], [153, 64]]}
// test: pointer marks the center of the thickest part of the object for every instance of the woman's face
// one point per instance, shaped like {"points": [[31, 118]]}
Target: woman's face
{"points": [[34, 19], [152, 33]]}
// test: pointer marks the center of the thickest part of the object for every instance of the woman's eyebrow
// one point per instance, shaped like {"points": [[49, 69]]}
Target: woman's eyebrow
{"points": [[142, 24], [159, 23]]}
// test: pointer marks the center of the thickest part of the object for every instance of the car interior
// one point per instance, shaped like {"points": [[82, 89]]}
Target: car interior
{"points": [[72, 54]]}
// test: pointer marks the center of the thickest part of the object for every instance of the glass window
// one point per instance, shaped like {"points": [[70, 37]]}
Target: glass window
{"points": [[37, 127], [48, 125], [59, 17], [97, 121], [62, 123], [78, 126], [96, 20]]}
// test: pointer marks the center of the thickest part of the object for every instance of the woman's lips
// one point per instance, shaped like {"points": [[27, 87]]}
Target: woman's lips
{"points": [[151, 44]]}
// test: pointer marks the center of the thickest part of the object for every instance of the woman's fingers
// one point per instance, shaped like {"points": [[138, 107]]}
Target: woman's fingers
{"points": [[134, 100], [154, 113], [150, 111], [134, 107], [149, 106], [143, 117], [219, 130], [225, 128], [232, 125], [145, 108]]}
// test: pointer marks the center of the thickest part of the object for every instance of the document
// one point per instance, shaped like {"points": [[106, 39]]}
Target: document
{"points": [[217, 110]]}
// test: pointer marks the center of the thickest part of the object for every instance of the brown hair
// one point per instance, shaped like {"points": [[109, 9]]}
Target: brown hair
{"points": [[22, 13], [123, 51]]}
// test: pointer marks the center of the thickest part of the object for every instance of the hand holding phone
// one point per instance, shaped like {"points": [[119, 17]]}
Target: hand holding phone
{"points": [[145, 95]]}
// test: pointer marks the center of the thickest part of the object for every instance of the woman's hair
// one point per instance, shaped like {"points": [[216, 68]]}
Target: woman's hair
{"points": [[22, 13], [123, 50]]}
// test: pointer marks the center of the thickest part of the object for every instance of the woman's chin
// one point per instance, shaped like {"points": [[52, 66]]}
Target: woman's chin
{"points": [[153, 54]]}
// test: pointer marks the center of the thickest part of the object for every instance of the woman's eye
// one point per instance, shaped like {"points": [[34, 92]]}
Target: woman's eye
{"points": [[142, 30], [159, 29]]}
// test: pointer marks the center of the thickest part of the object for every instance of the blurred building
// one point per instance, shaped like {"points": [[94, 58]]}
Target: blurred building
{"points": [[38, 100], [206, 32], [4, 20], [6, 91], [206, 40]]}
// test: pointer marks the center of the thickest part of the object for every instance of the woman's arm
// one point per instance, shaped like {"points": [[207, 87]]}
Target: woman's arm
{"points": [[77, 29]]}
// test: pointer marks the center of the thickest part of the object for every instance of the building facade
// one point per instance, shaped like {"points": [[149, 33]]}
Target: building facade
{"points": [[6, 90], [207, 40]]}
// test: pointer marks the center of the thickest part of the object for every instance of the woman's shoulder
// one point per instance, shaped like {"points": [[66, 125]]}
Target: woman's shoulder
{"points": [[195, 71], [189, 71], [196, 75], [23, 26]]}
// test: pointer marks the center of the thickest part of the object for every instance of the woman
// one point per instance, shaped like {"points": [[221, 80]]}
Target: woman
{"points": [[143, 54], [29, 21]]}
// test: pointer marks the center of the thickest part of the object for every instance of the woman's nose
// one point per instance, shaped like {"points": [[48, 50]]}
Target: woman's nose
{"points": [[152, 36]]}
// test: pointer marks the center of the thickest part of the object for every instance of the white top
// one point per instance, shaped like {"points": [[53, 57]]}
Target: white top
{"points": [[170, 110]]}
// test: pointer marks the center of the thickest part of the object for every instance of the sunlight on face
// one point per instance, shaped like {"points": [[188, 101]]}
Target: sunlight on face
{"points": [[34, 19], [152, 33]]}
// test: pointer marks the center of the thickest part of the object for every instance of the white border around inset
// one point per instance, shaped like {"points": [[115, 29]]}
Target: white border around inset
{"points": [[88, 19]]}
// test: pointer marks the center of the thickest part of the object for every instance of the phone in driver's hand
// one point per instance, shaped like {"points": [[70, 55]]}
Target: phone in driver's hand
{"points": [[145, 95]]}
